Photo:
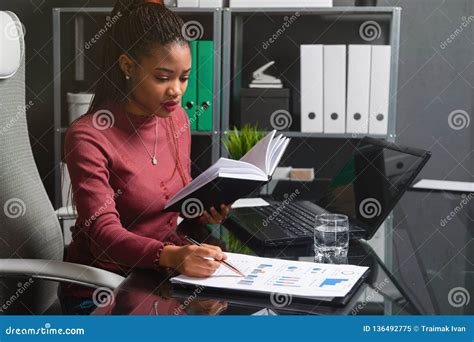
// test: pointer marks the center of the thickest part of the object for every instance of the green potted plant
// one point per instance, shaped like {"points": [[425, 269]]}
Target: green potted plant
{"points": [[238, 143]]}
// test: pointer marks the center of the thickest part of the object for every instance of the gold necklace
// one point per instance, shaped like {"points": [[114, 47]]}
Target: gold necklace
{"points": [[152, 156]]}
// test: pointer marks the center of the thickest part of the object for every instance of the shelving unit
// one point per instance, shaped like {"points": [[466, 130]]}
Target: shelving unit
{"points": [[72, 20], [336, 25], [244, 31]]}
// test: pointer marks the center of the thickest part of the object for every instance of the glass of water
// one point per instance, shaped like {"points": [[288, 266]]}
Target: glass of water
{"points": [[331, 238]]}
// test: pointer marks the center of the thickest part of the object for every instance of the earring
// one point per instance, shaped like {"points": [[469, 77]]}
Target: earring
{"points": [[127, 77]]}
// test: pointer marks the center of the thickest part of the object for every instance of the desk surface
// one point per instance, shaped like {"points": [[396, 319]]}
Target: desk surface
{"points": [[427, 263]]}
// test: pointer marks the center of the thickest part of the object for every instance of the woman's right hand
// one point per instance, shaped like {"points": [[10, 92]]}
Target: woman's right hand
{"points": [[192, 260]]}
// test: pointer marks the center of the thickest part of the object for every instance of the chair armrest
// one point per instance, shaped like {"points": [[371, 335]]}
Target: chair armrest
{"points": [[60, 271], [66, 213]]}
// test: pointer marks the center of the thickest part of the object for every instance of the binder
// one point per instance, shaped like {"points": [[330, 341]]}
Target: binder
{"points": [[211, 3], [334, 75], [280, 3], [379, 89], [311, 88], [205, 77], [189, 99], [188, 3], [358, 88]]}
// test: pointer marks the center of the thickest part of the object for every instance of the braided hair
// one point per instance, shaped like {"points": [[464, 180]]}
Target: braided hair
{"points": [[141, 27]]}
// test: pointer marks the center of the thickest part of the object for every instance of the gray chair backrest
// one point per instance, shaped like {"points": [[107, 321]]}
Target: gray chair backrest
{"points": [[28, 225]]}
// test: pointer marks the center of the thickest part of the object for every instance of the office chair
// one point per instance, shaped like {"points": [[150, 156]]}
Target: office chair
{"points": [[31, 243]]}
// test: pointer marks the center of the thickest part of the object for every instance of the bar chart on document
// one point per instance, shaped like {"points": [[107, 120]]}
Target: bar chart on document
{"points": [[306, 279]]}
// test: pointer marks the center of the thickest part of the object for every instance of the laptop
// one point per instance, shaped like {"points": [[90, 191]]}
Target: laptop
{"points": [[366, 189]]}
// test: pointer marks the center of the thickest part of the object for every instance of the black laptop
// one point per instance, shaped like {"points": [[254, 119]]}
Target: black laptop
{"points": [[366, 189]]}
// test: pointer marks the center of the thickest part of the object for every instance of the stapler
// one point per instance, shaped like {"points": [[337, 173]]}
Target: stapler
{"points": [[262, 80]]}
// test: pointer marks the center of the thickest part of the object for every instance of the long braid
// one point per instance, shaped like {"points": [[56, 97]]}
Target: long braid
{"points": [[178, 166]]}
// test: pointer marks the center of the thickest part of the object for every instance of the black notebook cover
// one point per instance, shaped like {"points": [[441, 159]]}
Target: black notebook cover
{"points": [[219, 191]]}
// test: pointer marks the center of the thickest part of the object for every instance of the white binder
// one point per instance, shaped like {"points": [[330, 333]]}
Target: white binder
{"points": [[358, 89], [188, 3], [311, 88], [334, 74], [211, 3], [280, 3], [379, 89]]}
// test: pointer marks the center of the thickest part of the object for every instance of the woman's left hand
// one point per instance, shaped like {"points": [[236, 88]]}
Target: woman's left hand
{"points": [[214, 217]]}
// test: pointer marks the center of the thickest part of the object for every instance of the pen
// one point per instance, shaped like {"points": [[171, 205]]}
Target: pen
{"points": [[225, 263]]}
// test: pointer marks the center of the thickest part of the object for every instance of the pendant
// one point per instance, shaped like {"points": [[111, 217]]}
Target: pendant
{"points": [[154, 161]]}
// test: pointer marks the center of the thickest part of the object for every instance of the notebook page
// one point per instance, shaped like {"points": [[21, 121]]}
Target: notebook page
{"points": [[277, 142], [258, 154], [278, 154]]}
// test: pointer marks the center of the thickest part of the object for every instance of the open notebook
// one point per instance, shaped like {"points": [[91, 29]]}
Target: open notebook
{"points": [[297, 278], [228, 180]]}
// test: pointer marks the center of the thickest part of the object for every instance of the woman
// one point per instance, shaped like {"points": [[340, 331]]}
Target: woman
{"points": [[128, 155]]}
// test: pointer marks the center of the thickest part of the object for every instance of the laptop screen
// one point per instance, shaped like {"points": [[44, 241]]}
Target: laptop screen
{"points": [[371, 182]]}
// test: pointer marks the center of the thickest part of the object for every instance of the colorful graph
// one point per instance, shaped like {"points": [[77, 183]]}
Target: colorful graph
{"points": [[245, 282], [317, 270], [250, 278], [332, 281], [287, 281]]}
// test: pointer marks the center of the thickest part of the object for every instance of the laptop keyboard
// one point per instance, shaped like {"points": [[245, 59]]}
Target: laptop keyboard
{"points": [[294, 218]]}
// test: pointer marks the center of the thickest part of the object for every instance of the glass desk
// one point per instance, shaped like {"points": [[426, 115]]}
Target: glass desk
{"points": [[417, 270], [151, 293]]}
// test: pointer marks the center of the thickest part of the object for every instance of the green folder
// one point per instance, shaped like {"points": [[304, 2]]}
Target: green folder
{"points": [[205, 76], [189, 99]]}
